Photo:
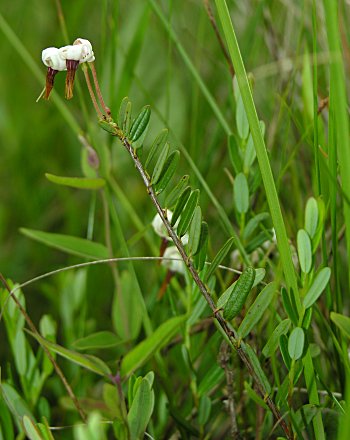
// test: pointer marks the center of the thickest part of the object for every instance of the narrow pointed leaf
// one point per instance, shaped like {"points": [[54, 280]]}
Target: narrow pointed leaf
{"points": [[182, 200], [122, 111], [256, 366], [272, 343], [103, 339], [77, 182], [290, 310], [254, 223], [195, 231], [187, 213], [168, 171], [140, 124], [219, 258], [141, 410], [91, 363], [200, 258], [174, 195], [146, 349], [127, 119], [317, 287], [342, 322], [296, 343], [32, 431], [67, 243], [304, 250], [160, 164], [157, 146], [256, 310]]}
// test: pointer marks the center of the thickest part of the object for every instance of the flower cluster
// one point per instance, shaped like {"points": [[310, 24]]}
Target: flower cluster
{"points": [[66, 58]]}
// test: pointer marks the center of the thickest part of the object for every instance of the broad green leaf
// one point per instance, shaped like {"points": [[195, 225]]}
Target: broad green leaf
{"points": [[167, 172], [160, 164], [112, 400], [136, 357], [204, 409], [241, 193], [141, 410], [174, 195], [342, 322], [256, 310], [77, 182], [273, 341], [181, 202], [200, 258], [187, 213], [219, 258], [254, 223], [256, 366], [91, 363], [20, 352], [126, 308], [67, 243], [157, 146], [140, 124], [317, 287], [18, 407], [239, 294], [103, 339], [311, 216], [296, 343], [304, 250], [195, 231], [31, 429]]}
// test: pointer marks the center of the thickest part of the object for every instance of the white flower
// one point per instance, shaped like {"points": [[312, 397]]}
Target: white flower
{"points": [[173, 265], [51, 58], [71, 52], [161, 230], [87, 54]]}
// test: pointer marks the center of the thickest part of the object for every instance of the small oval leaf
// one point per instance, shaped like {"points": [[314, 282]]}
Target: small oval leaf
{"points": [[160, 164], [187, 213], [77, 182], [167, 172], [140, 123], [304, 250], [256, 310], [219, 257], [311, 216], [296, 343], [317, 287], [176, 192], [157, 145], [241, 193], [181, 202]]}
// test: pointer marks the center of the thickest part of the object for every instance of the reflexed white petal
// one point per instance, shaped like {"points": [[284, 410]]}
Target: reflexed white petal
{"points": [[159, 227], [87, 54], [173, 265], [71, 52], [50, 57]]}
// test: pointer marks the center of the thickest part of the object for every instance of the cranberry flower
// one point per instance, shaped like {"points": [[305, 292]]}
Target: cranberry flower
{"points": [[55, 64]]}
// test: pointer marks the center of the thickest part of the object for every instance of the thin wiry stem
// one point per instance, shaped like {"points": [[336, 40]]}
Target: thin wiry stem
{"points": [[106, 110], [229, 332], [92, 95], [46, 350]]}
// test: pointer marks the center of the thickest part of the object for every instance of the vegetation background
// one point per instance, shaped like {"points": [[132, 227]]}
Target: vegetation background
{"points": [[137, 56]]}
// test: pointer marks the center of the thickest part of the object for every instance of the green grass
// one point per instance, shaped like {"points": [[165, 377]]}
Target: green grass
{"points": [[138, 319]]}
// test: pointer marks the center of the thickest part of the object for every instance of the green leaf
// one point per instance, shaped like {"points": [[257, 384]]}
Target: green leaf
{"points": [[174, 195], [110, 127], [103, 339], [272, 343], [6, 425], [168, 171], [122, 111], [180, 205], [160, 164], [157, 145], [304, 250], [18, 407], [249, 155], [257, 309], [241, 193], [127, 118], [254, 396], [317, 287], [254, 360], [140, 124], [234, 153], [342, 322], [290, 310], [200, 258], [91, 363], [219, 257], [253, 223], [195, 231], [239, 293], [67, 243], [136, 357], [77, 182], [141, 410], [204, 409], [284, 351], [241, 119], [296, 343], [20, 352], [187, 213], [31, 429], [112, 401], [311, 216]]}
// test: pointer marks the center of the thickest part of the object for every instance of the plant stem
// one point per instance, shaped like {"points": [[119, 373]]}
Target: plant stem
{"points": [[46, 350]]}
